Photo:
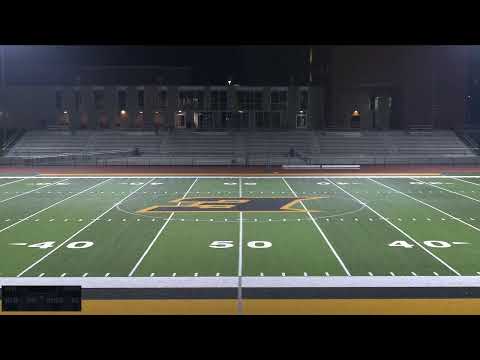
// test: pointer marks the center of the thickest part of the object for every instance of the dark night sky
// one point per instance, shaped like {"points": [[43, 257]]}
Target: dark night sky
{"points": [[210, 64]]}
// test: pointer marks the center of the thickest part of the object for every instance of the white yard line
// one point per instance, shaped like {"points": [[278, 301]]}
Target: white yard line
{"points": [[28, 192], [426, 204], [158, 233], [397, 228], [447, 190], [240, 266], [11, 182], [55, 204], [83, 228], [319, 230], [465, 181]]}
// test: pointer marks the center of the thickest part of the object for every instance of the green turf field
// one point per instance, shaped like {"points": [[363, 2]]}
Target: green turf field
{"points": [[230, 226]]}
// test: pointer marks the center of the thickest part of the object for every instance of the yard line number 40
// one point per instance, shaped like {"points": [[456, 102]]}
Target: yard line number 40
{"points": [[430, 243]]}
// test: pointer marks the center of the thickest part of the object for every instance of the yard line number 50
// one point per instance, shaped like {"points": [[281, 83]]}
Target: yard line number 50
{"points": [[225, 244]]}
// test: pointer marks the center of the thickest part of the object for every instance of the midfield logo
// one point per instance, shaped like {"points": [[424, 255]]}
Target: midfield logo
{"points": [[283, 204]]}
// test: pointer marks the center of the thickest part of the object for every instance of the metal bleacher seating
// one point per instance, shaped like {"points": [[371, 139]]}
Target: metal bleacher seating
{"points": [[187, 147]]}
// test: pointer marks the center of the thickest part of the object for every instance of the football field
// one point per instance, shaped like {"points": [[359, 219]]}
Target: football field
{"points": [[201, 227]]}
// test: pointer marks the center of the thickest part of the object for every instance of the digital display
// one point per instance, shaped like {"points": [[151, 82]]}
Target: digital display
{"points": [[41, 298]]}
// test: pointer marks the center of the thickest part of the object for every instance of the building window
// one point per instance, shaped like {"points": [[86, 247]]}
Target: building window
{"points": [[180, 120], [278, 100], [303, 100], [122, 100], [218, 100], [141, 98], [250, 100], [193, 99], [262, 120], [162, 99], [99, 99], [59, 100], [302, 120]]}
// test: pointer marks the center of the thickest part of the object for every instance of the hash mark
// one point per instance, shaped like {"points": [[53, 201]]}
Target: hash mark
{"points": [[63, 275], [41, 275], [85, 275]]}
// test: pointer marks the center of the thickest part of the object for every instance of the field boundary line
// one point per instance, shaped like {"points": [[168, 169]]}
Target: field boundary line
{"points": [[12, 182], [397, 228], [30, 191], [319, 230], [48, 207], [83, 228], [465, 181], [426, 204], [149, 247], [245, 176], [447, 190]]}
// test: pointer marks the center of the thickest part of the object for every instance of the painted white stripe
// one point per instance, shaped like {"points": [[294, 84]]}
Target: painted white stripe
{"points": [[158, 233], [397, 228], [11, 182], [240, 265], [450, 191], [426, 204], [240, 187], [465, 181], [55, 204], [30, 191], [250, 281], [319, 229], [55, 176], [151, 244], [83, 228]]}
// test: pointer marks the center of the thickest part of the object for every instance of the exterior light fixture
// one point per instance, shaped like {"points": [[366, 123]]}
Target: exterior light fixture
{"points": [[65, 112], [140, 112], [123, 112]]}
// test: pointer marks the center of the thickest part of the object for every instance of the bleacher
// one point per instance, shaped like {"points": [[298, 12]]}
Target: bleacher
{"points": [[187, 147]]}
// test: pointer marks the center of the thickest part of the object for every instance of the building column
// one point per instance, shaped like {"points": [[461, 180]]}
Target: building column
{"points": [[110, 105], [316, 107], [69, 103], [172, 94], [132, 105], [88, 106], [292, 104], [149, 103]]}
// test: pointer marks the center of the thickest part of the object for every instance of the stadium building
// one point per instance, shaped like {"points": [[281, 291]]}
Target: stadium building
{"points": [[395, 87]]}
